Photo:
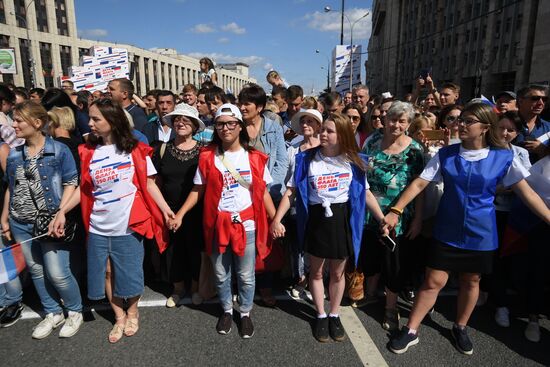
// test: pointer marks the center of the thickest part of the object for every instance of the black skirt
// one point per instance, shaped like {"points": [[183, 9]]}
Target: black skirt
{"points": [[441, 256], [329, 237]]}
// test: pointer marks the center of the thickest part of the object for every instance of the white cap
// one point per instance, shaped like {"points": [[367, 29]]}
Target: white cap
{"points": [[229, 109], [183, 109], [295, 122]]}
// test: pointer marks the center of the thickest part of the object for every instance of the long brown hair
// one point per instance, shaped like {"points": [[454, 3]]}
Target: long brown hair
{"points": [[120, 126], [486, 115], [346, 139]]}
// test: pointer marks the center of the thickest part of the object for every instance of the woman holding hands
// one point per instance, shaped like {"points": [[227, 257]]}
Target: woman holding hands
{"points": [[121, 204], [464, 236], [332, 193]]}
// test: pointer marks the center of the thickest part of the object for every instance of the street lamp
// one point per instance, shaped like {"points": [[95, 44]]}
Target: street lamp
{"points": [[31, 58], [351, 25], [328, 69]]}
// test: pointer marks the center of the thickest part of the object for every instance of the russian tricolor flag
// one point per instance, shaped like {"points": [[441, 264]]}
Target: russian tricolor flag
{"points": [[12, 262]]}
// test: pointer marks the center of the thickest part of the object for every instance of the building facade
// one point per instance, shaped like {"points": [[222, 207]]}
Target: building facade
{"points": [[485, 46], [43, 34]]}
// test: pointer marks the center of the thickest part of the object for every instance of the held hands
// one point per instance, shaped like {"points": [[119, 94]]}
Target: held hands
{"points": [[277, 229], [390, 221]]}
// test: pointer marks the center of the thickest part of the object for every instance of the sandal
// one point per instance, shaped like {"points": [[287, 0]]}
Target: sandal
{"points": [[132, 324], [117, 331]]}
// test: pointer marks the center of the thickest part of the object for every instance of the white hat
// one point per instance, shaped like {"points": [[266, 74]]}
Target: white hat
{"points": [[229, 109], [295, 122], [183, 109]]}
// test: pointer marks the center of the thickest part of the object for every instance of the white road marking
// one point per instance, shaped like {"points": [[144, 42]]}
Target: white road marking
{"points": [[361, 340]]}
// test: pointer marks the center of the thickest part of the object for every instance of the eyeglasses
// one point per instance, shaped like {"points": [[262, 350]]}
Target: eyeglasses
{"points": [[544, 99], [467, 121], [231, 125], [376, 117], [355, 118], [451, 118]]}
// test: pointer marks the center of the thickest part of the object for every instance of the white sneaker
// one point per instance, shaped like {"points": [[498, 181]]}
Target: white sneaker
{"points": [[502, 317], [45, 327], [532, 331], [72, 324], [172, 301]]}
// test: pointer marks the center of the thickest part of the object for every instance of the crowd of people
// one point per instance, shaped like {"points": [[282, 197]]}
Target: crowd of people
{"points": [[354, 195]]}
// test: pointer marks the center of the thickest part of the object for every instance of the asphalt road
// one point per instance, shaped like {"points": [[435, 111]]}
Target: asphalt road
{"points": [[186, 336]]}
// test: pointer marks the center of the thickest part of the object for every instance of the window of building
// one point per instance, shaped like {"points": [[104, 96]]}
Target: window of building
{"points": [[47, 64], [519, 20], [20, 13], [5, 43], [504, 50], [170, 76], [162, 75], [456, 39], [137, 74], [2, 12], [508, 25], [66, 61], [483, 31], [177, 75], [41, 15], [61, 16], [26, 62], [83, 52], [146, 72], [476, 31], [155, 74], [467, 36]]}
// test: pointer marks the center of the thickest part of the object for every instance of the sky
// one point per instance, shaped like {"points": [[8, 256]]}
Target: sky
{"points": [[282, 35]]}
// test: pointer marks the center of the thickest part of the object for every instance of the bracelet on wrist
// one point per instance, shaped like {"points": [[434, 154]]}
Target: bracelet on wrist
{"points": [[396, 210]]}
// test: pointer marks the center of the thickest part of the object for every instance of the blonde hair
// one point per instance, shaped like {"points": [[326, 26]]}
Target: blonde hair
{"points": [[271, 106], [487, 116], [61, 117], [309, 103], [417, 124], [31, 111]]}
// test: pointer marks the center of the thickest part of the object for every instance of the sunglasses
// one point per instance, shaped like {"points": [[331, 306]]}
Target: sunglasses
{"points": [[355, 118], [451, 118], [544, 99]]}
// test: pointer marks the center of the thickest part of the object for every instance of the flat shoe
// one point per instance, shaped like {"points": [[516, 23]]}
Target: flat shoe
{"points": [[116, 333], [132, 325]]}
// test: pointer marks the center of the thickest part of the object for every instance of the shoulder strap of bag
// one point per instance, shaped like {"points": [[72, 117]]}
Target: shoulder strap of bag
{"points": [[236, 175], [162, 150]]}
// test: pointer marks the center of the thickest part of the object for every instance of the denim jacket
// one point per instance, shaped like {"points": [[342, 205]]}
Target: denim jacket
{"points": [[55, 167], [274, 145]]}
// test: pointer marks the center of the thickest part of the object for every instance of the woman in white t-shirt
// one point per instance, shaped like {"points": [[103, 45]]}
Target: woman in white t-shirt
{"points": [[332, 192], [464, 235], [121, 204], [232, 177]]}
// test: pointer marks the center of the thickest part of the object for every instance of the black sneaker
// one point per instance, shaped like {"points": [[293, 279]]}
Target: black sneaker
{"points": [[224, 323], [11, 315], [462, 340], [321, 329], [336, 329], [401, 343], [408, 297], [247, 328]]}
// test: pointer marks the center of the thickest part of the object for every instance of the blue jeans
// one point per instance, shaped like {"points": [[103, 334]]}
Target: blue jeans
{"points": [[245, 270], [49, 265], [126, 254], [12, 291]]}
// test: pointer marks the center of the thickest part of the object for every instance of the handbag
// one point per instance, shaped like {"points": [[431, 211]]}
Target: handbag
{"points": [[44, 218]]}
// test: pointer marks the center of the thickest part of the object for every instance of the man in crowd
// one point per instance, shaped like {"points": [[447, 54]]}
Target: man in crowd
{"points": [[333, 102], [348, 98], [531, 101], [67, 85], [448, 94], [279, 97], [294, 100], [158, 130], [36, 94], [506, 101], [121, 91], [7, 133], [360, 95]]}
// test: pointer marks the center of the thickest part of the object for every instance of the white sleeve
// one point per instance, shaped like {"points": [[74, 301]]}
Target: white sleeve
{"points": [[367, 186], [267, 176], [198, 179], [151, 171], [516, 172], [432, 171]]}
